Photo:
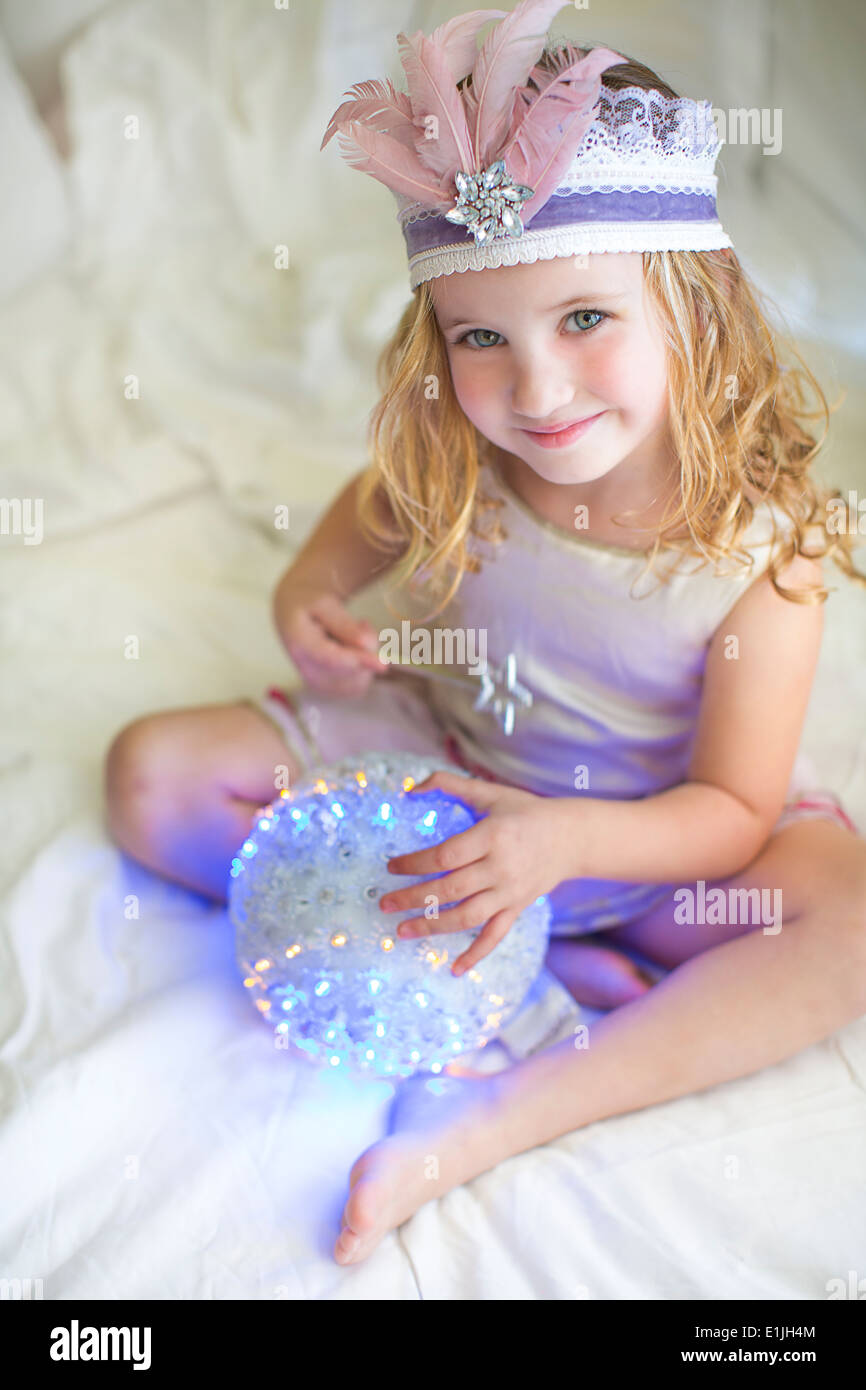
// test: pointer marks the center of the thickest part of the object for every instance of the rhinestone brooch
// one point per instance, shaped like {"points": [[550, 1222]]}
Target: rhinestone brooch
{"points": [[488, 204]]}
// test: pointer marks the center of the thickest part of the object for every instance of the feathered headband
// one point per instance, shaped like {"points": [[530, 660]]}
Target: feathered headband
{"points": [[522, 143]]}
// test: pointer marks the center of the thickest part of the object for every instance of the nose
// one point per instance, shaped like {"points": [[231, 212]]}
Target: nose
{"points": [[543, 387]]}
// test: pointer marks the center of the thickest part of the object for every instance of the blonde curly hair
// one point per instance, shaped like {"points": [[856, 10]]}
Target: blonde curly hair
{"points": [[737, 447]]}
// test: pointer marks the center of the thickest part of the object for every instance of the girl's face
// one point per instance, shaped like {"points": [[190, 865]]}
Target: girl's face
{"points": [[555, 342]]}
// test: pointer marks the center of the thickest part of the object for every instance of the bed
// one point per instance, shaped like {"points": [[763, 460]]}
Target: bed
{"points": [[162, 389]]}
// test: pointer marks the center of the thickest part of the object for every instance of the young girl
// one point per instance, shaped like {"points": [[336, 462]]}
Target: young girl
{"points": [[587, 280]]}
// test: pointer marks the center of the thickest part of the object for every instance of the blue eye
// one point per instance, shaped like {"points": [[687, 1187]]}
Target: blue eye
{"points": [[595, 313]]}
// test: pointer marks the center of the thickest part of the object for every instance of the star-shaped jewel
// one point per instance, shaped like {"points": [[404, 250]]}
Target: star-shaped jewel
{"points": [[488, 203], [492, 696]]}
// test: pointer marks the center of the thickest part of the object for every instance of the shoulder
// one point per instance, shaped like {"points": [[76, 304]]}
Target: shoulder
{"points": [[765, 618], [766, 538], [760, 607]]}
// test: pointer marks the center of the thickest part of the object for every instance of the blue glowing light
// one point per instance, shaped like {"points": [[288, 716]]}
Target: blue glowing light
{"points": [[319, 959]]}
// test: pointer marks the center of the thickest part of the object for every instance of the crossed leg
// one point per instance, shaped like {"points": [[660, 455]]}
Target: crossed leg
{"points": [[602, 976], [736, 999], [812, 863]]}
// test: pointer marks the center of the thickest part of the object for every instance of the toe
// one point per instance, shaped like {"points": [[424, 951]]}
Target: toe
{"points": [[347, 1245], [364, 1208]]}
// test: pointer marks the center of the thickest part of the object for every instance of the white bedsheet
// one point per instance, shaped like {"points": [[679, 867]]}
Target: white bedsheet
{"points": [[153, 1144]]}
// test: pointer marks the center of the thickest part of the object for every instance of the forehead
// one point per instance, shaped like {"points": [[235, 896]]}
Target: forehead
{"points": [[471, 293]]}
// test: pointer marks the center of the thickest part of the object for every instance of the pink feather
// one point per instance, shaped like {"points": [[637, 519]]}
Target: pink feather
{"points": [[456, 38], [393, 164], [378, 102], [432, 92], [505, 61], [536, 129], [548, 125]]}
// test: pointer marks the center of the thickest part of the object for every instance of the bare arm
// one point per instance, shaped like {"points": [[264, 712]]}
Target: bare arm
{"points": [[336, 558], [751, 719]]}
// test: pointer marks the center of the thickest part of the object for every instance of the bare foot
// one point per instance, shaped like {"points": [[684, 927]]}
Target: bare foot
{"points": [[597, 976], [442, 1131]]}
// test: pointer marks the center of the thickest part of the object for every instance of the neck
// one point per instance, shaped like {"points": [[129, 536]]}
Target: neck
{"points": [[646, 481]]}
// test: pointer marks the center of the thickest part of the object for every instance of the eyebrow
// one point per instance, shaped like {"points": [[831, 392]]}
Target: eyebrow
{"points": [[568, 303]]}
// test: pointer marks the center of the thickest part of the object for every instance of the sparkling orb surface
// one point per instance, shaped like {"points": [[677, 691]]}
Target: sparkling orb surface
{"points": [[321, 959]]}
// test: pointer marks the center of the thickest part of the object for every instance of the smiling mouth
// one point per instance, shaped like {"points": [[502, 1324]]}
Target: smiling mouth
{"points": [[563, 435], [556, 429]]}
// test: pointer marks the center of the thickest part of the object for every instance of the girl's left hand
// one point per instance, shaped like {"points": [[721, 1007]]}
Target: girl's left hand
{"points": [[499, 866]]}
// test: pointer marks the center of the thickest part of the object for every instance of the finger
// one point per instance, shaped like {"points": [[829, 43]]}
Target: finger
{"points": [[336, 656], [486, 941], [339, 624], [312, 642], [368, 650], [451, 889], [472, 912], [454, 853], [327, 680], [474, 790]]}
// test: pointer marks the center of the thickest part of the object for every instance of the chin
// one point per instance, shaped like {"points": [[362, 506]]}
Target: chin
{"points": [[569, 473]]}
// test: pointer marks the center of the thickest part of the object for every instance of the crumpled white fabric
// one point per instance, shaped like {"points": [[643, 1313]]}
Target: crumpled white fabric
{"points": [[152, 1141]]}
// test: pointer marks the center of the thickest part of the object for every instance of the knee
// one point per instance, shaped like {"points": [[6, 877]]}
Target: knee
{"points": [[846, 900], [850, 885], [132, 778]]}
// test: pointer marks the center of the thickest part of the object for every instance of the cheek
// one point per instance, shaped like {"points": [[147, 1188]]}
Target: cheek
{"points": [[633, 375], [471, 387]]}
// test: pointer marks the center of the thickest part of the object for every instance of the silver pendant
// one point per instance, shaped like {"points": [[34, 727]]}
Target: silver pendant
{"points": [[500, 692], [502, 705]]}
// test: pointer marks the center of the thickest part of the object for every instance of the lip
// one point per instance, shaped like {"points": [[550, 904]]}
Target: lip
{"points": [[556, 439]]}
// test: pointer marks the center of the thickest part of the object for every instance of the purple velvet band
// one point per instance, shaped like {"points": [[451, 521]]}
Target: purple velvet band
{"points": [[430, 232]]}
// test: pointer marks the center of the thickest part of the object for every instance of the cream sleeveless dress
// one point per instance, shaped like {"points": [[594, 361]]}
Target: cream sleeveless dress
{"points": [[614, 661]]}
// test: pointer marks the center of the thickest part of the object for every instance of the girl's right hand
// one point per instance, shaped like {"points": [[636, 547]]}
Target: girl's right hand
{"points": [[335, 653]]}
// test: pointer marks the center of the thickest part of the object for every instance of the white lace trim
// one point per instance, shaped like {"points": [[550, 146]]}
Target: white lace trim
{"points": [[578, 240], [638, 141], [675, 179], [636, 129]]}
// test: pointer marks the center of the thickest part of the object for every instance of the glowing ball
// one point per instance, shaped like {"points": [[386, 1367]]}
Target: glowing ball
{"points": [[321, 959]]}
